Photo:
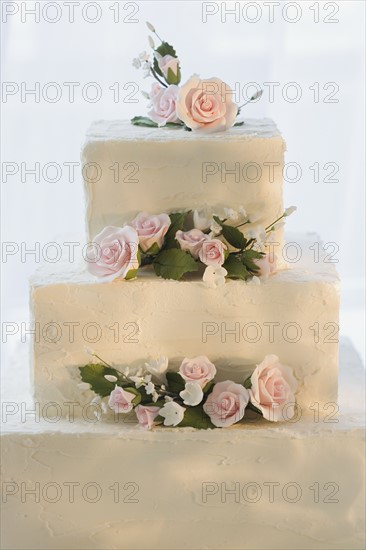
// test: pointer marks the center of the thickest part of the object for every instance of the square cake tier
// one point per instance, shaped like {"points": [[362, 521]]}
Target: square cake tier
{"points": [[97, 484], [293, 314], [129, 169]]}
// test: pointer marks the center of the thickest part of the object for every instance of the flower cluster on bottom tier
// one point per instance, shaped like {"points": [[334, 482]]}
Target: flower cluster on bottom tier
{"points": [[191, 397]]}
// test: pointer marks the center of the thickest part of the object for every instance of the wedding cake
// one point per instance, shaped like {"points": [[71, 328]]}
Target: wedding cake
{"points": [[184, 377]]}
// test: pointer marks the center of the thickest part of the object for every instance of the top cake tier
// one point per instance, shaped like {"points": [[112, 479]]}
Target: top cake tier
{"points": [[129, 169]]}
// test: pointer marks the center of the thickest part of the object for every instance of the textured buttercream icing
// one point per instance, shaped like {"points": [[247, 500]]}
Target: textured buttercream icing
{"points": [[129, 169], [294, 314], [259, 485]]}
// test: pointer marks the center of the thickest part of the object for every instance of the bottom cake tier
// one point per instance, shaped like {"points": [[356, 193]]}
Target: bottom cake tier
{"points": [[92, 485]]}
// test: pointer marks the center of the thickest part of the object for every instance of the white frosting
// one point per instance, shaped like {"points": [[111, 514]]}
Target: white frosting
{"points": [[167, 166], [166, 469], [163, 317]]}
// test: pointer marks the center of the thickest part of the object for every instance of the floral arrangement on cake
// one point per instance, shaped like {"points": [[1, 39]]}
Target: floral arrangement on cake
{"points": [[190, 396], [186, 242], [204, 105]]}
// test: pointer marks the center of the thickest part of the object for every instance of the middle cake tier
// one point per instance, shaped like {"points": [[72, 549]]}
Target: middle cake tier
{"points": [[294, 314]]}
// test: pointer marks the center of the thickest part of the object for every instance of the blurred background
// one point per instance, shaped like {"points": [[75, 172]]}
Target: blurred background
{"points": [[310, 54]]}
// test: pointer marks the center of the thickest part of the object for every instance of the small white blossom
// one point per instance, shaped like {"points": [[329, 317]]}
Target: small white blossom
{"points": [[84, 386], [150, 388], [192, 394], [243, 212], [155, 396], [215, 228], [231, 214], [138, 381], [141, 60], [146, 67], [214, 276], [258, 233], [168, 398], [136, 62], [151, 43], [290, 210], [202, 219], [172, 413], [158, 368], [110, 378]]}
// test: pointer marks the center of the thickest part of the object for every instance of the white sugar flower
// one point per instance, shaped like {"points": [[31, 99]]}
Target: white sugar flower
{"points": [[110, 378], [144, 56], [172, 413], [231, 214], [84, 386], [146, 69], [215, 229], [290, 210], [214, 276], [258, 233], [137, 380], [202, 219], [142, 61], [155, 396], [136, 62], [158, 368], [243, 212], [150, 388], [192, 394], [151, 43]]}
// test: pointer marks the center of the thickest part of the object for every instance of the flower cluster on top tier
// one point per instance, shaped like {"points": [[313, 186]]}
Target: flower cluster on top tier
{"points": [[199, 105], [182, 243], [191, 397]]}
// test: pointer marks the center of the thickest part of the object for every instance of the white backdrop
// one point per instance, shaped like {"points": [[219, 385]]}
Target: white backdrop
{"points": [[316, 46]]}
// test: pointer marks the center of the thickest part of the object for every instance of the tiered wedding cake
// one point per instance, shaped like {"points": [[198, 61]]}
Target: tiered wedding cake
{"points": [[193, 315]]}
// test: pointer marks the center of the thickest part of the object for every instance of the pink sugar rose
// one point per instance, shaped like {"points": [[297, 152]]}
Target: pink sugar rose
{"points": [[206, 105], [212, 252], [273, 389], [167, 62], [191, 241], [146, 415], [267, 265], [226, 404], [163, 104], [120, 400], [151, 229], [114, 252], [199, 369]]}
